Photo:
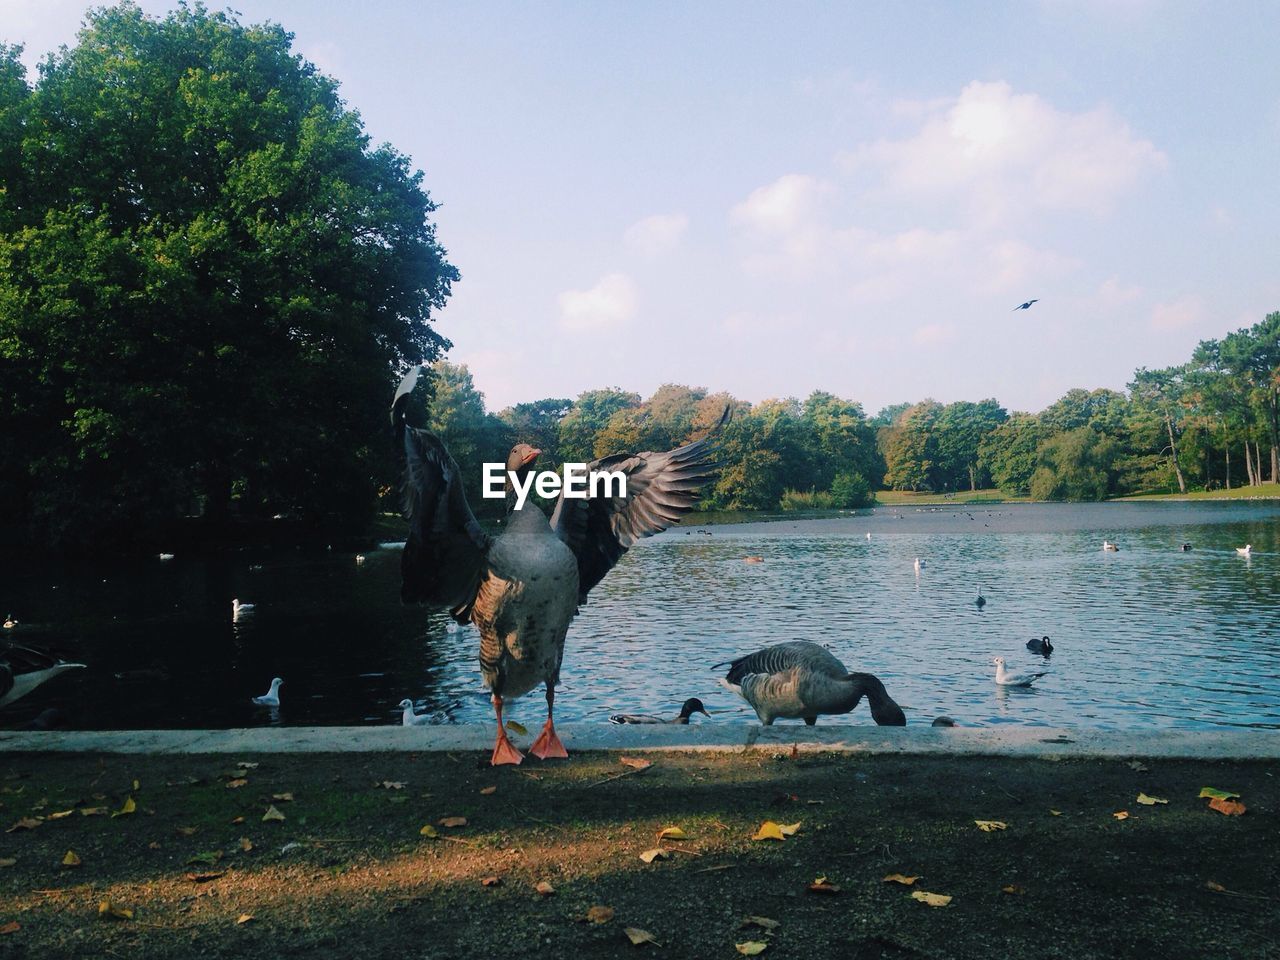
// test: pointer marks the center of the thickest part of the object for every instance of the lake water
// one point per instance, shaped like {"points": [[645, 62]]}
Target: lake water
{"points": [[1146, 638]]}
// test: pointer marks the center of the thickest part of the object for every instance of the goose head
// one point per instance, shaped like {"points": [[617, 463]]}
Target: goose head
{"points": [[405, 704], [276, 683], [884, 709], [520, 462], [691, 706]]}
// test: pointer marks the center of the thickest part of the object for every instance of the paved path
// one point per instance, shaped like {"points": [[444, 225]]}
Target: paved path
{"points": [[987, 741]]}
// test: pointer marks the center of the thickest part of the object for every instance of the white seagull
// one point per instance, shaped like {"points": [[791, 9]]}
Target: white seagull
{"points": [[1014, 679], [272, 697], [919, 564], [409, 718], [1110, 547], [1246, 550]]}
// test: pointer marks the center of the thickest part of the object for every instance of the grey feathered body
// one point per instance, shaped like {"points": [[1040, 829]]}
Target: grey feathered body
{"points": [[803, 680], [527, 598]]}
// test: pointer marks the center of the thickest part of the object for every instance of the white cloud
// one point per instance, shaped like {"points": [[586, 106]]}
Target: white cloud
{"points": [[1176, 314], [1001, 153], [789, 203], [1113, 293], [610, 304], [657, 234], [934, 334]]}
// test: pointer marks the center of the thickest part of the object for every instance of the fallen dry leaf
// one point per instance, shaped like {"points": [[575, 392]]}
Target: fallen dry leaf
{"points": [[128, 808], [822, 885], [987, 826], [207, 857], [246, 844], [7, 861], [187, 831], [1139, 766], [26, 823], [111, 911], [764, 923], [237, 820], [931, 899], [282, 797], [751, 947], [71, 860], [488, 791], [391, 784], [453, 821], [1149, 801], [1231, 808], [60, 814], [515, 727], [13, 926], [657, 853], [769, 830], [1012, 888], [1121, 814], [1054, 813], [429, 831], [544, 888], [490, 881], [272, 813], [237, 783], [153, 845], [672, 833], [599, 914], [93, 811], [899, 878], [244, 918], [636, 762], [638, 936], [1216, 887], [1216, 794]]}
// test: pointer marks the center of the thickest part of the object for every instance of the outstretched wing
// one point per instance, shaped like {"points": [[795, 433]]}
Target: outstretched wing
{"points": [[661, 488], [445, 551]]}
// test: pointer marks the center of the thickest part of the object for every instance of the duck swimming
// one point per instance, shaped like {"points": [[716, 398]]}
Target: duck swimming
{"points": [[691, 706]]}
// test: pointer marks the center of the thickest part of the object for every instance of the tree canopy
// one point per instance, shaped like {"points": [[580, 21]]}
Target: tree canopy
{"points": [[208, 277]]}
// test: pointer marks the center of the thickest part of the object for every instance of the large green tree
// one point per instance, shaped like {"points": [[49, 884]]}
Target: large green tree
{"points": [[207, 276]]}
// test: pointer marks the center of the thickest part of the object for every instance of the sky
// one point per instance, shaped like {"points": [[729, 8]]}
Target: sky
{"points": [[775, 198]]}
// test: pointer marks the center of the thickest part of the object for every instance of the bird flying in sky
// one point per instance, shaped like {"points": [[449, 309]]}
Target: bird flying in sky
{"points": [[1026, 306]]}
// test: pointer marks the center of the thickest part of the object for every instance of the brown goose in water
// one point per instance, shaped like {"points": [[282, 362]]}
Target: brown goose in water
{"points": [[523, 587], [802, 679]]}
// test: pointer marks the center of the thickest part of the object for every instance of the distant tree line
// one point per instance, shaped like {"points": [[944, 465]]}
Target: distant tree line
{"points": [[1211, 422]]}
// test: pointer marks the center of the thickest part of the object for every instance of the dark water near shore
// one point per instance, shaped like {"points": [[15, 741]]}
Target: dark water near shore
{"points": [[1149, 637]]}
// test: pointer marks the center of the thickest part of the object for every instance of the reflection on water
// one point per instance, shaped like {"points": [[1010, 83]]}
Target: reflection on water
{"points": [[1144, 638]]}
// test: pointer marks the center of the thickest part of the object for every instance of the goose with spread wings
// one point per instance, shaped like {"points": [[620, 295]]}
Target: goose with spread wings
{"points": [[521, 589]]}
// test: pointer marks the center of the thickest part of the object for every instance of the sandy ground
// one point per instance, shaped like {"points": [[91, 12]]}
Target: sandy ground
{"points": [[195, 870]]}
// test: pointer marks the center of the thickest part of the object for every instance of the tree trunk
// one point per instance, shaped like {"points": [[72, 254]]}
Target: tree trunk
{"points": [[973, 480], [1275, 435], [1228, 468], [1248, 463], [1173, 452]]}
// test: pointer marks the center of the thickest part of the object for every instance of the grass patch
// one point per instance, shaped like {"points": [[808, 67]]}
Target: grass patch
{"points": [[1267, 491], [892, 498]]}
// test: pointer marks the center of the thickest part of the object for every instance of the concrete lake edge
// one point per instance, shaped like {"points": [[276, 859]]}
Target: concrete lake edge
{"points": [[1042, 742]]}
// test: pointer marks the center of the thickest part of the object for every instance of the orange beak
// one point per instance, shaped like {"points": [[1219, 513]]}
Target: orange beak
{"points": [[530, 458]]}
